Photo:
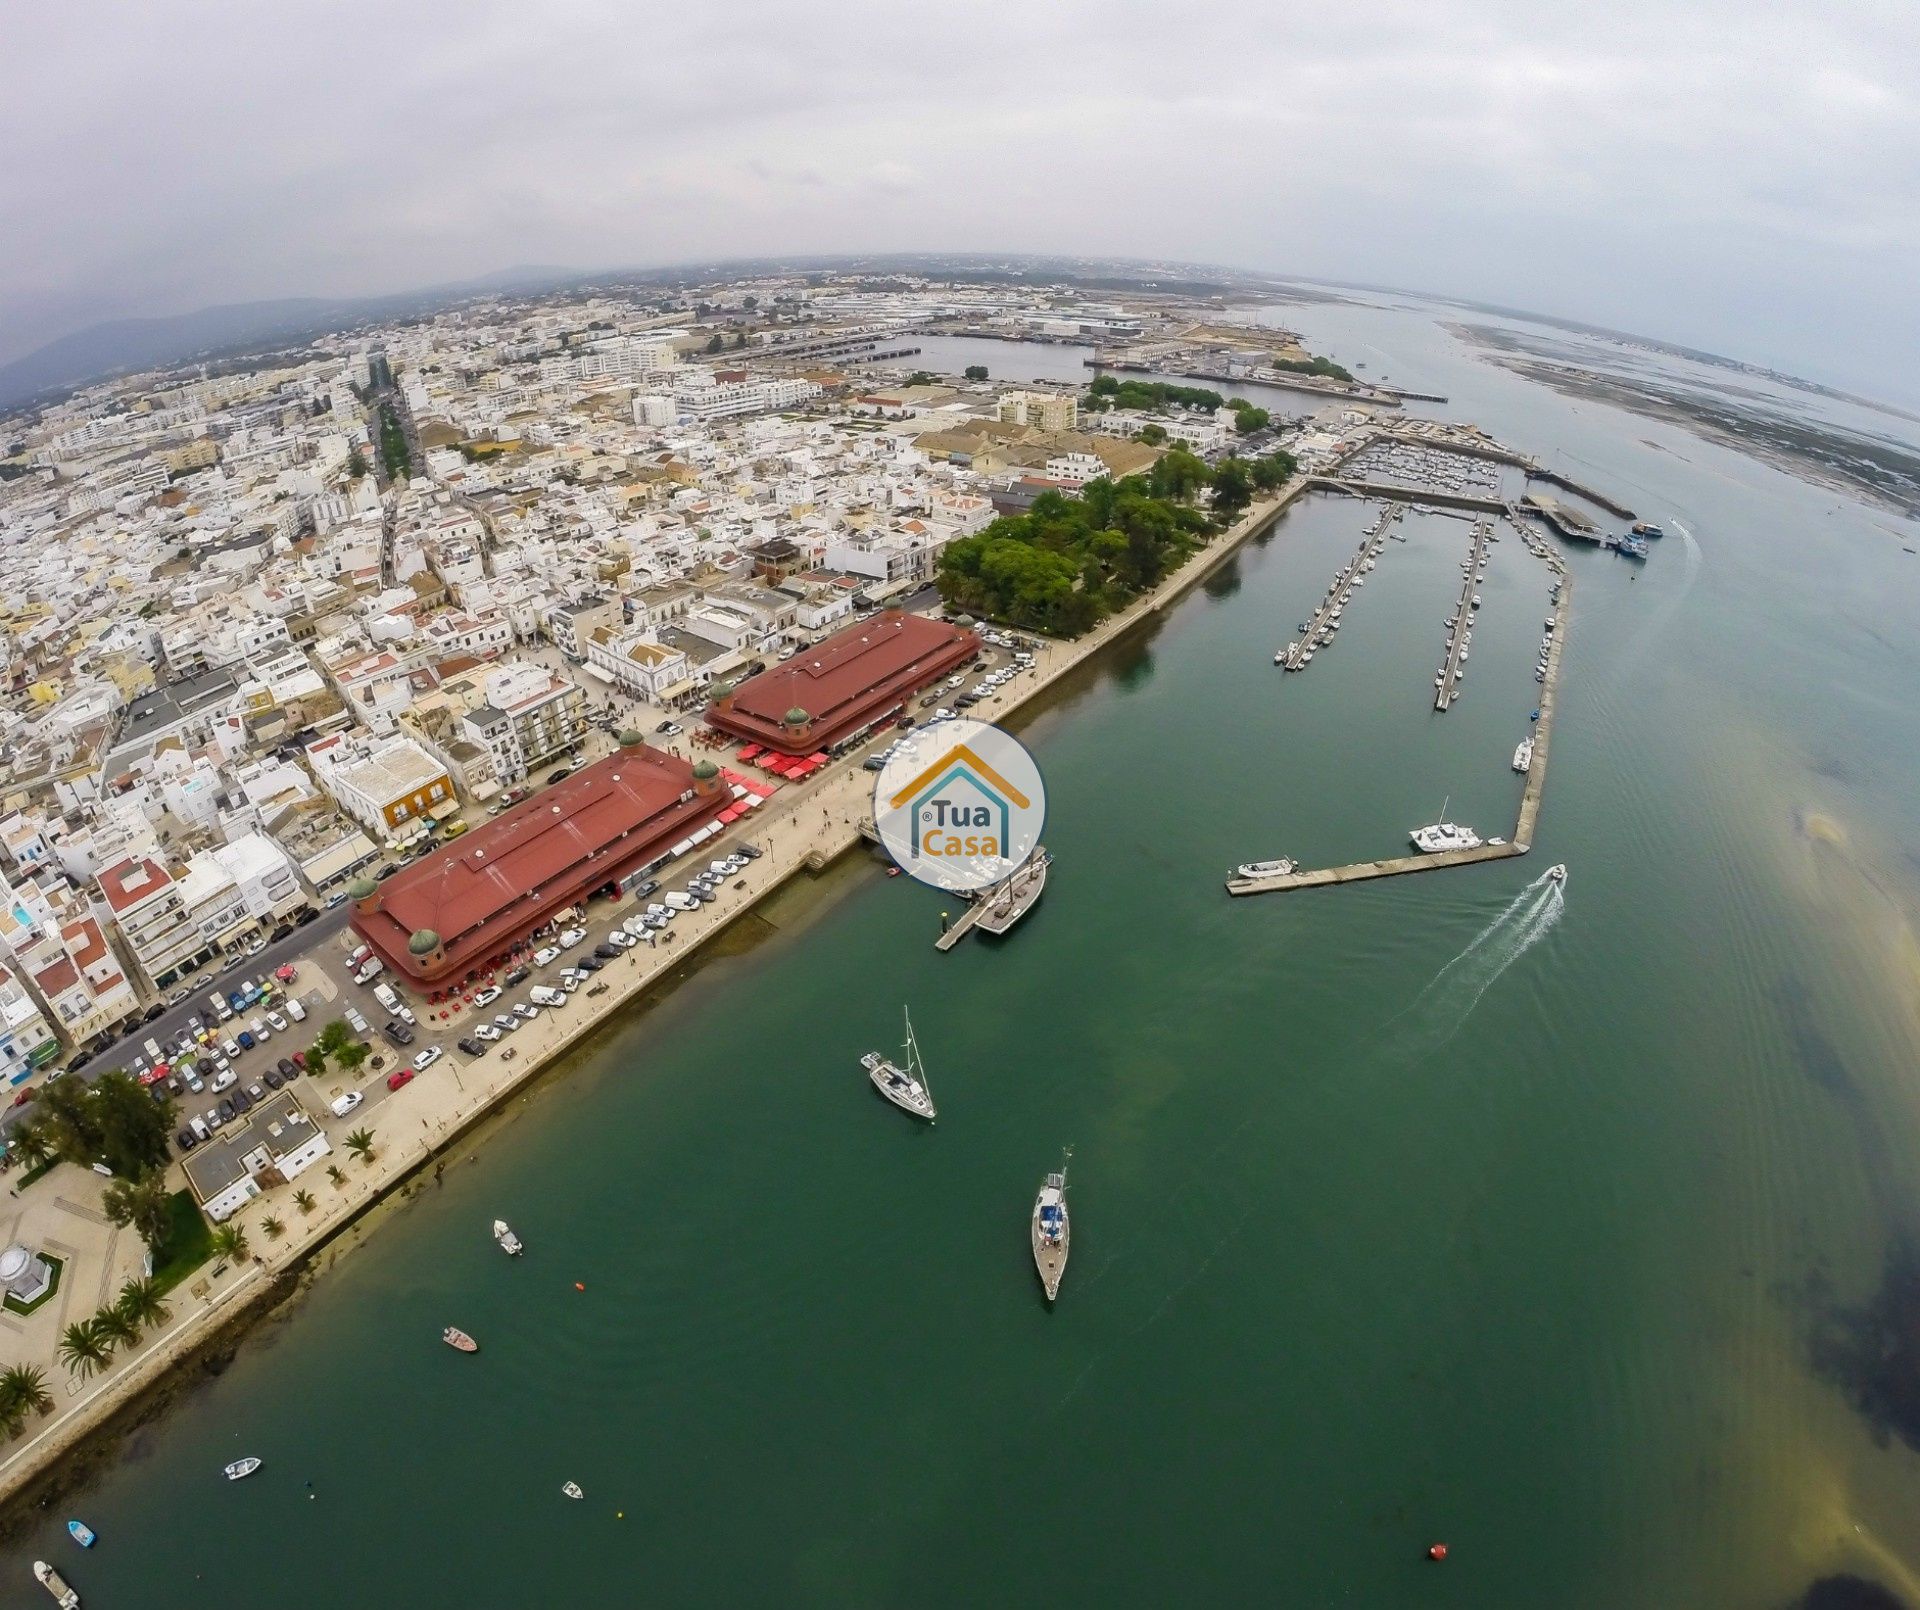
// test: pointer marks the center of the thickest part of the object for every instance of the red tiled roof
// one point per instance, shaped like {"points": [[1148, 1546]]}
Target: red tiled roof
{"points": [[484, 892], [846, 681], [113, 883], [61, 975]]}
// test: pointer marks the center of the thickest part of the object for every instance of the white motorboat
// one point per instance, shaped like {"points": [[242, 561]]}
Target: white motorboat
{"points": [[509, 1242], [1523, 756], [242, 1468], [56, 1584], [906, 1087], [572, 1489], [1438, 837], [1558, 872], [1266, 869]]}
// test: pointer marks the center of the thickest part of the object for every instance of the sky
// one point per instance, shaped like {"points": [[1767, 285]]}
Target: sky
{"points": [[1742, 178]]}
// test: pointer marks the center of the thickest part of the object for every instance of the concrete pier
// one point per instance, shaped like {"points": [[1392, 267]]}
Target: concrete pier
{"points": [[1408, 494], [1530, 797], [1320, 623], [1450, 672]]}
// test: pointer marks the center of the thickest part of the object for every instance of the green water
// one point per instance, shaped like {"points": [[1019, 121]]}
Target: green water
{"points": [[1436, 1208]]}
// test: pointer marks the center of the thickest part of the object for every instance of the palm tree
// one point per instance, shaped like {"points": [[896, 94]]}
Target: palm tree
{"points": [[360, 1143], [31, 1145], [26, 1386], [141, 1302], [274, 1228], [115, 1329], [334, 1173], [303, 1200], [230, 1241], [82, 1349]]}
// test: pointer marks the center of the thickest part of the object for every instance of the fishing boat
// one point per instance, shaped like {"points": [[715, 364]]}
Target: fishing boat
{"points": [[1051, 1231], [1004, 906], [1558, 872], [81, 1533], [242, 1468], [572, 1489], [509, 1242], [459, 1340], [906, 1087], [56, 1584], [1523, 756]]}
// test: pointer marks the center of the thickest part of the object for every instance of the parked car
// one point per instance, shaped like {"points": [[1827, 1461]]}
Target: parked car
{"points": [[277, 1023], [307, 915], [471, 1047], [506, 1022], [246, 1039], [295, 1010], [399, 1077], [642, 890], [572, 937], [242, 1102], [342, 1105], [525, 1012], [228, 1112], [423, 1060], [607, 952], [487, 996], [559, 774], [517, 975], [669, 729], [225, 1079], [187, 1140], [275, 1078], [485, 1031], [260, 1031], [546, 956], [591, 964], [359, 955], [369, 972], [397, 1032]]}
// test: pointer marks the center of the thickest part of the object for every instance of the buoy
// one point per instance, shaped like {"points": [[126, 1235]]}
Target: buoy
{"points": [[579, 1286], [1437, 1551]]}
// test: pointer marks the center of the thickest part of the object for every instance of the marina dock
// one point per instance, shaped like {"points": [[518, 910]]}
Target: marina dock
{"points": [[1530, 796], [999, 908], [1320, 625], [1462, 628]]}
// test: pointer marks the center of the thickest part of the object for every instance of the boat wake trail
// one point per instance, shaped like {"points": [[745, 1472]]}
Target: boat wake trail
{"points": [[1440, 1009]]}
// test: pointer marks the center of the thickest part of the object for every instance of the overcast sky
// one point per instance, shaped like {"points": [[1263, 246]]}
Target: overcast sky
{"points": [[1742, 177]]}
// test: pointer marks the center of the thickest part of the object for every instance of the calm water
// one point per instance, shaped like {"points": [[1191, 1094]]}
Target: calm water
{"points": [[1440, 1208]]}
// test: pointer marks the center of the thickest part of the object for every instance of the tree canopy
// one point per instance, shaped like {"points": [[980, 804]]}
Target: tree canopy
{"points": [[976, 371], [113, 1121], [1107, 391]]}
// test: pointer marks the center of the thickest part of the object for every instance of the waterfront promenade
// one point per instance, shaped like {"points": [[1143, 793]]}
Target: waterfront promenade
{"points": [[802, 829]]}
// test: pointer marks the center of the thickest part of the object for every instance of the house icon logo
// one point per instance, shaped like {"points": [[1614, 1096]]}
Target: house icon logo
{"points": [[960, 805]]}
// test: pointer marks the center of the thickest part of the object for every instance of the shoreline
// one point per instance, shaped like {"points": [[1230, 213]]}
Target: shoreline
{"points": [[64, 1451]]}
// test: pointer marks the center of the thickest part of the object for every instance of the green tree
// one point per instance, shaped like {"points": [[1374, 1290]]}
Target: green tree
{"points": [[351, 1055], [230, 1241], [716, 341], [142, 1304], [750, 303], [114, 1328], [144, 1204], [920, 377], [112, 1121], [1232, 486], [1248, 419], [360, 1143], [32, 1145], [1152, 435], [356, 464], [333, 1035], [82, 1349], [23, 1391], [976, 371]]}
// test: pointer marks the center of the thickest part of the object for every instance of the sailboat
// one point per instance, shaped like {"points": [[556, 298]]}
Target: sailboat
{"points": [[1051, 1232], [906, 1087]]}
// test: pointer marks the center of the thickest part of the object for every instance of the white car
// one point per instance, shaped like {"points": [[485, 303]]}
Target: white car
{"points": [[295, 1010], [634, 926], [506, 1022], [342, 1105], [545, 956], [225, 1079], [525, 1012], [259, 1030], [619, 938], [485, 1031], [423, 1060], [278, 1023], [572, 937], [369, 972], [488, 996]]}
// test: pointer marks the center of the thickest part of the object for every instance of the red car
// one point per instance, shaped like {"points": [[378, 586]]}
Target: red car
{"points": [[399, 1077]]}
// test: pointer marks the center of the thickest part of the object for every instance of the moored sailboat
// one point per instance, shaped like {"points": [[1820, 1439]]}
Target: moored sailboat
{"points": [[907, 1087], [1051, 1233]]}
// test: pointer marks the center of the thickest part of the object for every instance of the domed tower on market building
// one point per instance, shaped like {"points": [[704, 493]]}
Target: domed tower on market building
{"points": [[706, 777], [798, 723], [424, 946], [365, 895]]}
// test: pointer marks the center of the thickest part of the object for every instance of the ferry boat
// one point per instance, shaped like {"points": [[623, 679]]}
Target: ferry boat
{"points": [[906, 1087], [240, 1469], [1646, 528], [459, 1340], [56, 1584], [1523, 756], [1052, 1234], [1012, 900], [1265, 869], [509, 1242], [1632, 547]]}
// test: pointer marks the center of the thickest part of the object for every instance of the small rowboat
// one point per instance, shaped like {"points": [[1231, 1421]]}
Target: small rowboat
{"points": [[81, 1533], [241, 1468], [572, 1489], [459, 1340]]}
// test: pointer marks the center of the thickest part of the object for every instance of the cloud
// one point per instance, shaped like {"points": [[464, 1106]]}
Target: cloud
{"points": [[1737, 177]]}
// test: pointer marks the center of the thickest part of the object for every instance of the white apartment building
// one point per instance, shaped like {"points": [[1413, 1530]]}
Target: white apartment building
{"points": [[715, 399], [636, 662], [530, 716], [392, 787], [142, 902], [26, 1043], [1048, 410], [264, 875]]}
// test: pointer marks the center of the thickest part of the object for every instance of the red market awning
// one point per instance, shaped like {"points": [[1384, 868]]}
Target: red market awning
{"points": [[748, 751], [817, 759]]}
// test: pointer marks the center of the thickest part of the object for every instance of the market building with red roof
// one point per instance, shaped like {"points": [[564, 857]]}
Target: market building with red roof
{"points": [[843, 685], [461, 909]]}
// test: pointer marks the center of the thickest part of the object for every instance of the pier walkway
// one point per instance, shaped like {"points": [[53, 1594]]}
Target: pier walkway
{"points": [[1321, 623], [1530, 796], [1448, 682]]}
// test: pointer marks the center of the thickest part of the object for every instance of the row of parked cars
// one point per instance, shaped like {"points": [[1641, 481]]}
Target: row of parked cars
{"points": [[238, 1100]]}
